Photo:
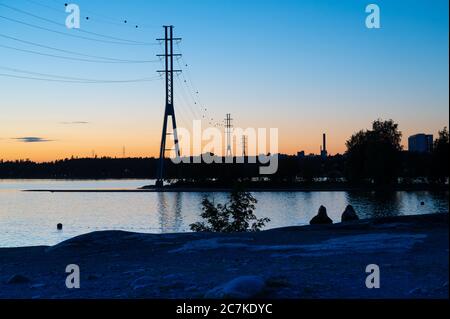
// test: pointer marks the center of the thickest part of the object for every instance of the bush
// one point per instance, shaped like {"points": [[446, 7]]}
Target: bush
{"points": [[235, 216]]}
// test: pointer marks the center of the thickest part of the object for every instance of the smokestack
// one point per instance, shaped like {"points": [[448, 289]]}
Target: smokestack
{"points": [[324, 142]]}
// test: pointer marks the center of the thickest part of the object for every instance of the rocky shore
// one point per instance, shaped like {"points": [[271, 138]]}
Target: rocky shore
{"points": [[321, 261]]}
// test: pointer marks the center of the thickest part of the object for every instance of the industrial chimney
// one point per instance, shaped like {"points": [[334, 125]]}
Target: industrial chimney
{"points": [[324, 153]]}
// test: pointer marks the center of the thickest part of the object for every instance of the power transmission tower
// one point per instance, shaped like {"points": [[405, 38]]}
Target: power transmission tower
{"points": [[169, 110], [244, 146], [228, 132]]}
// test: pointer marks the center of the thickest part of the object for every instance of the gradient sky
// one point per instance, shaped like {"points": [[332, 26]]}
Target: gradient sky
{"points": [[305, 67]]}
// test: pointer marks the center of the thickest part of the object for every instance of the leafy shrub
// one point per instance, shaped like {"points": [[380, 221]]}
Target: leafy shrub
{"points": [[235, 216]]}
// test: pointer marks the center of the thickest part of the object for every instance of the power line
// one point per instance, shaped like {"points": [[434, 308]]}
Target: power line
{"points": [[192, 89], [70, 81], [182, 112], [44, 6], [106, 18], [78, 30], [57, 56], [184, 95], [186, 65], [64, 79], [189, 93], [68, 34], [198, 109], [113, 60], [54, 9]]}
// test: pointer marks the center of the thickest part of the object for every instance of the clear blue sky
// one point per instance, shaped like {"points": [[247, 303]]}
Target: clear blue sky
{"points": [[305, 67]]}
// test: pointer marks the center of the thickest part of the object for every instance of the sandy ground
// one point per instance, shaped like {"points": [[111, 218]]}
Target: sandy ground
{"points": [[412, 253]]}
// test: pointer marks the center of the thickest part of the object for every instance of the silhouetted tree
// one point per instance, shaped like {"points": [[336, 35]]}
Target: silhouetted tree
{"points": [[235, 216], [440, 159], [374, 154]]}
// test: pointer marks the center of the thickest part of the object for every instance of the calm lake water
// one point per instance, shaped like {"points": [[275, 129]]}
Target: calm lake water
{"points": [[29, 219]]}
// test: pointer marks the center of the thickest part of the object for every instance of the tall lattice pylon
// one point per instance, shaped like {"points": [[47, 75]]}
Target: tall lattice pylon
{"points": [[244, 146], [169, 110], [228, 132]]}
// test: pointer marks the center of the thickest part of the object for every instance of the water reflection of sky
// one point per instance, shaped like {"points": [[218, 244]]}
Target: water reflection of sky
{"points": [[31, 218]]}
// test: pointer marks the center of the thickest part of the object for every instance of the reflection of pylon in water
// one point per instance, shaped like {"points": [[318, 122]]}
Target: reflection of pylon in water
{"points": [[169, 110], [228, 132]]}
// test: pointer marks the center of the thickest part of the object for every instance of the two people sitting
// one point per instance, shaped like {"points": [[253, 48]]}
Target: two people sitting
{"points": [[322, 218]]}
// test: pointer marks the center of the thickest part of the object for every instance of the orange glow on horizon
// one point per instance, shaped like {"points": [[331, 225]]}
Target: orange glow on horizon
{"points": [[51, 151]]}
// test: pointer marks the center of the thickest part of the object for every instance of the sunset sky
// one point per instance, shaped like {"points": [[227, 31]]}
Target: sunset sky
{"points": [[304, 67]]}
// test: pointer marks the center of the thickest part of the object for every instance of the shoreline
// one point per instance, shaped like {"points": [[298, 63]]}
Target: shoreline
{"points": [[292, 262], [312, 188]]}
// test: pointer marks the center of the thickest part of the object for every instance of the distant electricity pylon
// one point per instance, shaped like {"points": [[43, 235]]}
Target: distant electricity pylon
{"points": [[169, 110], [228, 132], [244, 146]]}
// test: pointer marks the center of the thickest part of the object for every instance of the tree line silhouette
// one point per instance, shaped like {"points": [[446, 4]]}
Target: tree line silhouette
{"points": [[373, 156]]}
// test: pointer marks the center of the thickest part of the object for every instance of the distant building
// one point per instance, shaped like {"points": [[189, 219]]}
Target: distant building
{"points": [[301, 154], [323, 149], [420, 143]]}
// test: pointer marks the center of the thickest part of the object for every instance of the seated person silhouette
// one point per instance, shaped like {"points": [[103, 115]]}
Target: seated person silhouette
{"points": [[321, 218]]}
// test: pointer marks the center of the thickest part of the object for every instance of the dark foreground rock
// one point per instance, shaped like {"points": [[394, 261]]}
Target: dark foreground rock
{"points": [[244, 287], [320, 261], [18, 279]]}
